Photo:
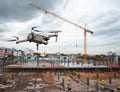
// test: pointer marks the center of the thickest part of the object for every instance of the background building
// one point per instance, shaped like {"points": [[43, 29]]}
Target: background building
{"points": [[28, 52]]}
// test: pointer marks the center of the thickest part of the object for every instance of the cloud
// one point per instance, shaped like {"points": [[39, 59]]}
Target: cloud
{"points": [[20, 10], [2, 30], [102, 17], [17, 17]]}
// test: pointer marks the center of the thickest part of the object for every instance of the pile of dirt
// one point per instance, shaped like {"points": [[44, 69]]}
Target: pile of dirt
{"points": [[39, 75], [49, 79]]}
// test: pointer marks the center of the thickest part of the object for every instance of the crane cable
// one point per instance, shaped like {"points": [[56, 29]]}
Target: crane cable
{"points": [[76, 38]]}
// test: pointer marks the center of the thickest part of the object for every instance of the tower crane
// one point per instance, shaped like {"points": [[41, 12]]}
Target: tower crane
{"points": [[84, 28]]}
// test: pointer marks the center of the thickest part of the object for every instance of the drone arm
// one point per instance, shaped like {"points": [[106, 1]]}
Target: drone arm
{"points": [[22, 41], [37, 46], [54, 35]]}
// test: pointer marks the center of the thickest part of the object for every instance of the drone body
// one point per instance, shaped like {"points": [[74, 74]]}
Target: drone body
{"points": [[37, 38]]}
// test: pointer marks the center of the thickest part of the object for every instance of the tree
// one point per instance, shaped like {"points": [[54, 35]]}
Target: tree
{"points": [[36, 54]]}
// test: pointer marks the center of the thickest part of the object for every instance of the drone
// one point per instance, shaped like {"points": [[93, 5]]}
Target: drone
{"points": [[37, 38]]}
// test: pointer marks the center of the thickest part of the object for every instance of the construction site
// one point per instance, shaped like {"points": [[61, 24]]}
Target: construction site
{"points": [[35, 73], [44, 77]]}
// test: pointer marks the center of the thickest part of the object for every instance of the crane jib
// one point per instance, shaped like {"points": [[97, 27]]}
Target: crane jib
{"points": [[87, 30]]}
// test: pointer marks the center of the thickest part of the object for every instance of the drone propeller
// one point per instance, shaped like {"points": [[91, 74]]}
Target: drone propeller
{"points": [[35, 27], [16, 37], [56, 34], [11, 40], [54, 31], [37, 30]]}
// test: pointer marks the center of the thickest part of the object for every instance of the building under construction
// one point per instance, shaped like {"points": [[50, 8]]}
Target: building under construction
{"points": [[54, 67]]}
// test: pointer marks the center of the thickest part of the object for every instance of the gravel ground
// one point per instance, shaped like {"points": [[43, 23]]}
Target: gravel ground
{"points": [[76, 84]]}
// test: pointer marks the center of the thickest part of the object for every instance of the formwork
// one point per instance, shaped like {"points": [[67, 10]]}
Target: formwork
{"points": [[59, 69]]}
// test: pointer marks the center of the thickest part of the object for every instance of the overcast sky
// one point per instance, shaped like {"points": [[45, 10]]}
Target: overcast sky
{"points": [[101, 16]]}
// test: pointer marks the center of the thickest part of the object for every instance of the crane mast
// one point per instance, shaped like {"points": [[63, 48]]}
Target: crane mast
{"points": [[84, 28]]}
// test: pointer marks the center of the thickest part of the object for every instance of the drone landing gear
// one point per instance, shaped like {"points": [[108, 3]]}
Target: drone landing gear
{"points": [[37, 46]]}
